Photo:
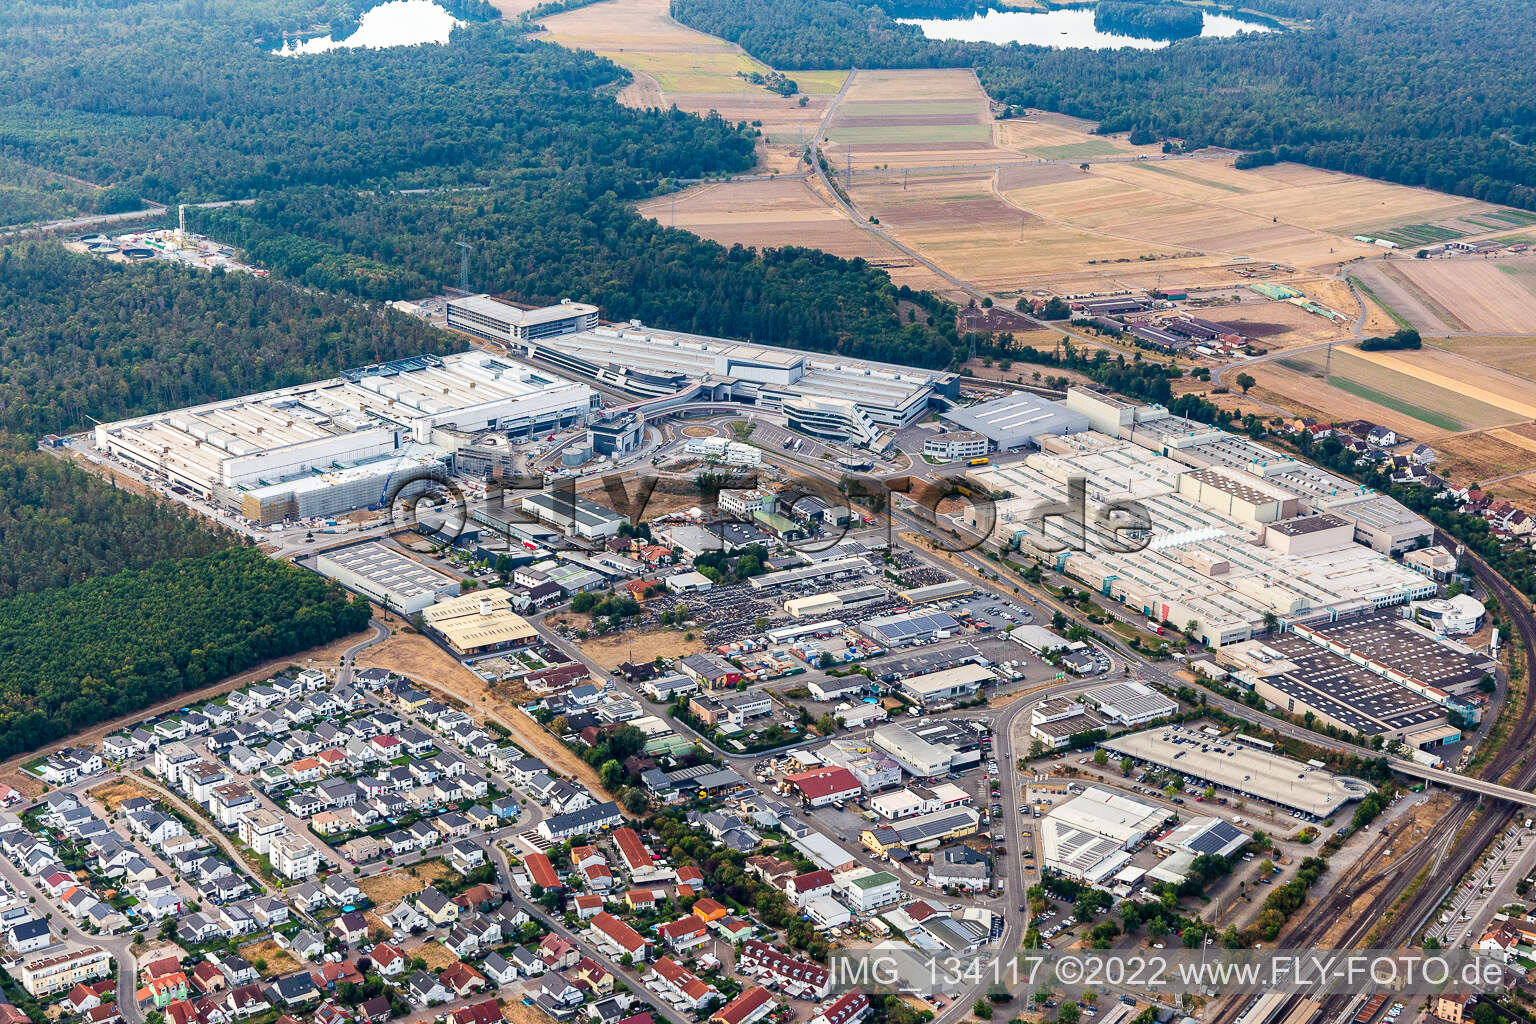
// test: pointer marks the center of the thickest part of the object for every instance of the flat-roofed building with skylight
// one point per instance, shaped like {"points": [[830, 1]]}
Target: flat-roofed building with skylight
{"points": [[390, 577], [295, 449], [494, 320], [837, 397]]}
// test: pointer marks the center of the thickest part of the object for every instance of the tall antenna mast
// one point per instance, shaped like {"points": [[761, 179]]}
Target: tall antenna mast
{"points": [[463, 266]]}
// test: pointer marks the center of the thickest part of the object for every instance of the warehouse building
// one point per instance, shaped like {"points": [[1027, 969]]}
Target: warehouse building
{"points": [[1301, 678], [578, 517], [951, 684], [833, 396], [831, 602], [1238, 767], [493, 320], [1379, 522], [923, 832], [832, 568], [1087, 838], [915, 755], [477, 624], [386, 576], [1055, 721], [909, 627], [1016, 420], [936, 592], [1129, 704], [1190, 545], [1213, 836], [328, 447]]}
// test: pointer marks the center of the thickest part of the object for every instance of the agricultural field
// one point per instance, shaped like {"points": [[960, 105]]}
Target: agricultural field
{"points": [[1049, 136], [960, 223], [697, 72], [1516, 356], [1486, 456], [895, 119], [1457, 295], [1425, 394], [786, 211]]}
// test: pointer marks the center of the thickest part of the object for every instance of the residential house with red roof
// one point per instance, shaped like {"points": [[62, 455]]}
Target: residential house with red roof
{"points": [[610, 930], [822, 786], [752, 1005]]}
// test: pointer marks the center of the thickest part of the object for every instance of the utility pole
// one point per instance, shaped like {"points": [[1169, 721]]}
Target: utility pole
{"points": [[848, 182], [1328, 364], [463, 266]]}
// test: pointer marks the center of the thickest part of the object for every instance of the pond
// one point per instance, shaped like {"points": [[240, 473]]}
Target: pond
{"points": [[1062, 29], [396, 23]]}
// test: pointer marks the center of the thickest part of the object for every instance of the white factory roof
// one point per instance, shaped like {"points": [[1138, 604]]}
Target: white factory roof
{"points": [[695, 356], [1114, 816], [935, 682], [1195, 556], [487, 306], [355, 416], [1017, 419]]}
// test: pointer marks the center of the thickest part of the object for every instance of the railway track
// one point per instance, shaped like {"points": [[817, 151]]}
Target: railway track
{"points": [[1434, 852]]}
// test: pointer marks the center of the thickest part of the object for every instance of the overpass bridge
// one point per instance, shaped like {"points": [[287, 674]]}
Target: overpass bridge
{"points": [[1462, 782]]}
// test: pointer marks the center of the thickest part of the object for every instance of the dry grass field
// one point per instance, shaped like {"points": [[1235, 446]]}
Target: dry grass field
{"points": [[117, 792], [438, 956], [1484, 456], [781, 212], [1049, 136], [386, 890], [1512, 355], [1453, 295], [274, 958], [960, 223], [611, 651], [1519, 490]]}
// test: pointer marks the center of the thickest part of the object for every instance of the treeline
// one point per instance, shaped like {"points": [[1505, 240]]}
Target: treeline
{"points": [[75, 656], [83, 337], [581, 239], [30, 194], [1148, 20], [62, 525], [1402, 338], [1370, 87]]}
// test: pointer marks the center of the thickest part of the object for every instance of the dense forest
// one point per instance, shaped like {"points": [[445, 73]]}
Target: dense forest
{"points": [[80, 336], [215, 116], [1147, 20], [534, 164], [74, 656], [60, 525], [1443, 98], [551, 242]]}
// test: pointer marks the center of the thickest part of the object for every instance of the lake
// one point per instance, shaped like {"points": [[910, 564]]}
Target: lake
{"points": [[1062, 29], [396, 23]]}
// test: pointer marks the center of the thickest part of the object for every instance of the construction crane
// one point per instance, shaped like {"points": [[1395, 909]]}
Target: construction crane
{"points": [[464, 266]]}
